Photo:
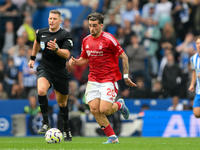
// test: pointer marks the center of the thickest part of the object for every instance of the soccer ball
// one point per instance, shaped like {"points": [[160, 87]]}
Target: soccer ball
{"points": [[53, 135]]}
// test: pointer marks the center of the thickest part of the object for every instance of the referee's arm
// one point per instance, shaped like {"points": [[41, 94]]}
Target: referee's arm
{"points": [[63, 53], [36, 48]]}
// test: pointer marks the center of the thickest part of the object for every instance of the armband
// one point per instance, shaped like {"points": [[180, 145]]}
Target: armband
{"points": [[33, 57], [125, 76]]}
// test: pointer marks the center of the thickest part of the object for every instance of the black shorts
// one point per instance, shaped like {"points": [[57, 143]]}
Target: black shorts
{"points": [[59, 79]]}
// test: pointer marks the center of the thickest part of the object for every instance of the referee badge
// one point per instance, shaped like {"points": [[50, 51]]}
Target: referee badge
{"points": [[42, 45]]}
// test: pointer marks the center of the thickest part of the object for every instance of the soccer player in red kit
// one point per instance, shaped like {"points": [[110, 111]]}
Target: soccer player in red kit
{"points": [[103, 51]]}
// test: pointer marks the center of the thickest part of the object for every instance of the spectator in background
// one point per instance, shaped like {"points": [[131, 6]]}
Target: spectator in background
{"points": [[168, 40], [8, 8], [150, 12], [16, 48], [163, 63], [157, 90], [176, 106], [18, 3], [141, 91], [129, 13], [28, 27], [67, 24], [120, 36], [187, 47], [163, 10], [79, 34], [137, 55], [112, 26], [33, 108], [8, 40], [11, 77], [180, 13], [138, 28], [28, 8], [171, 78], [94, 4], [1, 71], [52, 2], [28, 75], [195, 16], [152, 37], [15, 92], [3, 94], [128, 33]]}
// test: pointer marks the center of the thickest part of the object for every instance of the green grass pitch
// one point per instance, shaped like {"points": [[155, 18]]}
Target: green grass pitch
{"points": [[95, 143]]}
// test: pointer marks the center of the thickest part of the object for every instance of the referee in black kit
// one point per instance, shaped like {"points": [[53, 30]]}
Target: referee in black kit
{"points": [[56, 44]]}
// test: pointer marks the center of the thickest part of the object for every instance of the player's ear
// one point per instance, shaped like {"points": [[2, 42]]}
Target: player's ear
{"points": [[102, 26], [60, 20]]}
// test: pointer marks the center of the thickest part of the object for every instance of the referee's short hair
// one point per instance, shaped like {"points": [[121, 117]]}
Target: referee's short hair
{"points": [[55, 12], [96, 16]]}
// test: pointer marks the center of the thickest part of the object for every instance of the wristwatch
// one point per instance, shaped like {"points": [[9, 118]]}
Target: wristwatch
{"points": [[56, 47]]}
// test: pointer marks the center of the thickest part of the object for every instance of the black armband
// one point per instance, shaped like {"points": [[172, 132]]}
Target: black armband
{"points": [[33, 57]]}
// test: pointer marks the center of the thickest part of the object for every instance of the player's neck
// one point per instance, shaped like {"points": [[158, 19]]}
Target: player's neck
{"points": [[54, 30], [98, 35]]}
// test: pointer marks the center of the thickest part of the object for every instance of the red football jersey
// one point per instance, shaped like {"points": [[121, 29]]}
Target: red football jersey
{"points": [[102, 53]]}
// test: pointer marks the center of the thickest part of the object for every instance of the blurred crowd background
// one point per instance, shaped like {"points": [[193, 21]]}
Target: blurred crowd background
{"points": [[157, 35]]}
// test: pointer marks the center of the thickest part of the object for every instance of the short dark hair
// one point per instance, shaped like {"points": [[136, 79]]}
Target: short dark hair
{"points": [[96, 16], [55, 12]]}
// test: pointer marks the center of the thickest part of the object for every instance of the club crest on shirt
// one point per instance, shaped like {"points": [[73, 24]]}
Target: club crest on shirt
{"points": [[42, 45], [88, 53], [100, 45]]}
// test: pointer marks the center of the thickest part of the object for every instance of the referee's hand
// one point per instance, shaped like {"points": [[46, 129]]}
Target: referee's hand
{"points": [[72, 61], [31, 63]]}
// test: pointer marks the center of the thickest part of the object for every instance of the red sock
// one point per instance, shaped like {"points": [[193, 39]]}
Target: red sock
{"points": [[119, 105], [108, 130]]}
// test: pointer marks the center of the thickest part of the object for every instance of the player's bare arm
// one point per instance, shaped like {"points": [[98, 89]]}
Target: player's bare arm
{"points": [[191, 87], [125, 64], [64, 53], [80, 62], [36, 48]]}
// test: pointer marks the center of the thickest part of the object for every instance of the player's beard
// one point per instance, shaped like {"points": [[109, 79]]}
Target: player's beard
{"points": [[94, 34]]}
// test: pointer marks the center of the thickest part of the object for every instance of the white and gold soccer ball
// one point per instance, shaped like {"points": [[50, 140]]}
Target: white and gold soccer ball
{"points": [[53, 135]]}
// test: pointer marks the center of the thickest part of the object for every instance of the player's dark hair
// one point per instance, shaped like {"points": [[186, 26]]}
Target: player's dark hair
{"points": [[55, 12], [96, 16]]}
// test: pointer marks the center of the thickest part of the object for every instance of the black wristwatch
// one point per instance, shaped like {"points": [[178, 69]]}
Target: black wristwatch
{"points": [[56, 48]]}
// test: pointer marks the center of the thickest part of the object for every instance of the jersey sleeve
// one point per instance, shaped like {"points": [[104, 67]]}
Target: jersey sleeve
{"points": [[191, 62], [37, 36], [83, 51], [115, 46], [68, 43]]}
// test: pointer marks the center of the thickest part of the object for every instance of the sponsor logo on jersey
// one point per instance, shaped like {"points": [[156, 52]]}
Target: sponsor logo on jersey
{"points": [[94, 53], [42, 45], [43, 36], [87, 46], [100, 45]]}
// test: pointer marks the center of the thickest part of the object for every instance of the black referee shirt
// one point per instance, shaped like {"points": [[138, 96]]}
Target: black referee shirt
{"points": [[50, 59]]}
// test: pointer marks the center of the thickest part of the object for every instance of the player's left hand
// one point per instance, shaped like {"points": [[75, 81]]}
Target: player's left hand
{"points": [[130, 83], [52, 45]]}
